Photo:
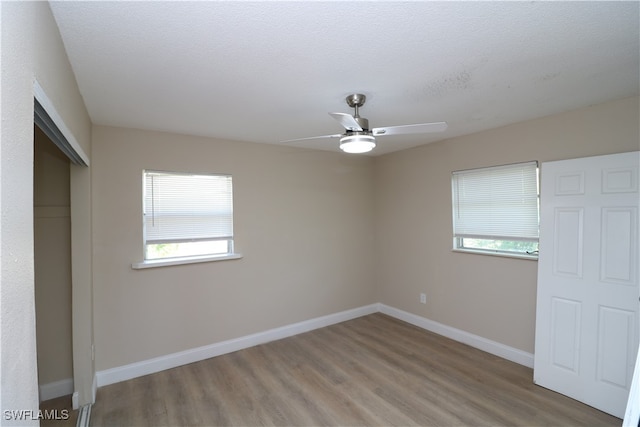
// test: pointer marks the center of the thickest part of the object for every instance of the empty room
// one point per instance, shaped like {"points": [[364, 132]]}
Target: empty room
{"points": [[319, 213]]}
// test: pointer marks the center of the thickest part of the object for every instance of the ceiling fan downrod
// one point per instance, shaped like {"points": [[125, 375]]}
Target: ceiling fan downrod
{"points": [[356, 101]]}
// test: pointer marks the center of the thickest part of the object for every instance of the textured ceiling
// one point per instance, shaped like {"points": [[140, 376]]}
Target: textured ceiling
{"points": [[270, 71]]}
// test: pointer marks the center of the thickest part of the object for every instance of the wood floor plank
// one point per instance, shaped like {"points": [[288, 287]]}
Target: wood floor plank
{"points": [[61, 412], [374, 370]]}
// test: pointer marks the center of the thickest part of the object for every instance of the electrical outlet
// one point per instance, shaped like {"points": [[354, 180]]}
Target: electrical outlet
{"points": [[423, 298]]}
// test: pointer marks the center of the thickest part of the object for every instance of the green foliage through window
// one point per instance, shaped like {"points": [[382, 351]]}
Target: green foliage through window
{"points": [[505, 246]]}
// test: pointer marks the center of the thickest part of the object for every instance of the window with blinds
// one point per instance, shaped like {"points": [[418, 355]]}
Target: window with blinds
{"points": [[187, 215], [496, 209]]}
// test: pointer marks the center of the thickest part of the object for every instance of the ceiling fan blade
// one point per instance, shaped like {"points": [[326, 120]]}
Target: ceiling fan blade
{"points": [[409, 129], [347, 121], [310, 138]]}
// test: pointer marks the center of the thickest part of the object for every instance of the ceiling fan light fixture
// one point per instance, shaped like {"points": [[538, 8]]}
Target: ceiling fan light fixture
{"points": [[357, 144], [359, 137]]}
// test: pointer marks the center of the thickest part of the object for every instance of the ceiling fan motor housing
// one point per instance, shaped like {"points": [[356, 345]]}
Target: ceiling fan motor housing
{"points": [[364, 123]]}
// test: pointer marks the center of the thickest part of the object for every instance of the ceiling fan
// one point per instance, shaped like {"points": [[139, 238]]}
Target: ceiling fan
{"points": [[358, 138]]}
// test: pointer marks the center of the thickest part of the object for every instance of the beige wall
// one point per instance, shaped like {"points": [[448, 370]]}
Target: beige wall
{"points": [[320, 233], [285, 198], [492, 297], [302, 219], [52, 260], [31, 50]]}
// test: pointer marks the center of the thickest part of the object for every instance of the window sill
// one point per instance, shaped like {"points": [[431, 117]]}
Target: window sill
{"points": [[181, 261], [500, 254]]}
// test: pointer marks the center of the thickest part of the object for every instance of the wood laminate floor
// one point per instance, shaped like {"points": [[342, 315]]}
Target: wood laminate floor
{"points": [[371, 371], [61, 411]]}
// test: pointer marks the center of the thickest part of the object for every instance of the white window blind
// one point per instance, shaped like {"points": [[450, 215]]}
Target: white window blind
{"points": [[498, 203], [187, 208]]}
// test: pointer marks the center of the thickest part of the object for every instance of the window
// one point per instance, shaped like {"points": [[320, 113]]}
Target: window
{"points": [[187, 215], [495, 210]]}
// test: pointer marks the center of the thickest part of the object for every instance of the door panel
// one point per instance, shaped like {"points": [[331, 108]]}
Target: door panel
{"points": [[587, 324], [620, 180], [569, 183], [567, 242], [565, 337], [615, 330], [618, 258]]}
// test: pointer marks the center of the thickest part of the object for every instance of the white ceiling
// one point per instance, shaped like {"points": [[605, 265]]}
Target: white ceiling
{"points": [[270, 71]]}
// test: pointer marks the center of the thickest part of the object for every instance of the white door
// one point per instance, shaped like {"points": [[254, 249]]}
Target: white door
{"points": [[587, 326]]}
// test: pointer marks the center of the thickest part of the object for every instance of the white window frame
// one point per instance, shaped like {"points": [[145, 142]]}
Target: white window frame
{"points": [[494, 207], [189, 233]]}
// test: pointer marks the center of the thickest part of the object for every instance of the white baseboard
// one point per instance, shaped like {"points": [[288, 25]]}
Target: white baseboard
{"points": [[493, 347], [56, 389], [157, 364]]}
